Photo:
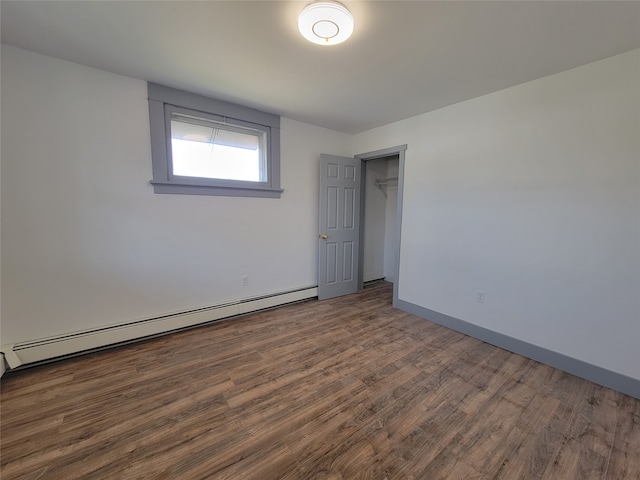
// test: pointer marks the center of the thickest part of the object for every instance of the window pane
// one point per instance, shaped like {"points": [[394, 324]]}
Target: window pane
{"points": [[206, 149]]}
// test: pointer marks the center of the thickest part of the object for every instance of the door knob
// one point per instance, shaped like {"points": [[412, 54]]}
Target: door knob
{"points": [[324, 236]]}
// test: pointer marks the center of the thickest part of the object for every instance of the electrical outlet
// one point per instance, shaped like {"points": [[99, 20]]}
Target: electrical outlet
{"points": [[245, 280], [480, 296]]}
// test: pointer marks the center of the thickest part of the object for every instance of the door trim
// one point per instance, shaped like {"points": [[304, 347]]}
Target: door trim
{"points": [[364, 157]]}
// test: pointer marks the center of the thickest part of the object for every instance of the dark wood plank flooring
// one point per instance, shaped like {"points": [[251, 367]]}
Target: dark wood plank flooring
{"points": [[349, 388]]}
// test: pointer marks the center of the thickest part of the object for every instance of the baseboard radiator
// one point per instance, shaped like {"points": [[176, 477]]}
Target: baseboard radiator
{"points": [[38, 351]]}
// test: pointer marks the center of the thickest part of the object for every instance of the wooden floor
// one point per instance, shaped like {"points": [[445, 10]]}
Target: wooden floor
{"points": [[341, 389]]}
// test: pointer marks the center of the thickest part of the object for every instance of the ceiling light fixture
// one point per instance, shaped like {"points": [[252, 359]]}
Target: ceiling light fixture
{"points": [[325, 22]]}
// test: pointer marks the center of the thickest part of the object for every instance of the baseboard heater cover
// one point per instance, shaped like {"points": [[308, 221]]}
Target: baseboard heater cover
{"points": [[40, 350]]}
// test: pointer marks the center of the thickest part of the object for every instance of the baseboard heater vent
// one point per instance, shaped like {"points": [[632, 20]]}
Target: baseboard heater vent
{"points": [[40, 350]]}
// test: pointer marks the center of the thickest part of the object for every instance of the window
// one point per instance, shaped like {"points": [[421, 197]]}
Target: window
{"points": [[202, 146]]}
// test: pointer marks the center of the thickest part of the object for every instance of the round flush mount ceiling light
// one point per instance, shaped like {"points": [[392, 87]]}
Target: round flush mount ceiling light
{"points": [[325, 22]]}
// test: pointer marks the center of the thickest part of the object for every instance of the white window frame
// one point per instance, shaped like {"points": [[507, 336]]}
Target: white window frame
{"points": [[163, 101]]}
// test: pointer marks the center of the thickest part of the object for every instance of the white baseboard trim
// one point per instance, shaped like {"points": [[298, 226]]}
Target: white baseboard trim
{"points": [[36, 351]]}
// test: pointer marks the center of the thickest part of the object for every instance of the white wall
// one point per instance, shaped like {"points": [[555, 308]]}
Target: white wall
{"points": [[531, 194], [86, 242]]}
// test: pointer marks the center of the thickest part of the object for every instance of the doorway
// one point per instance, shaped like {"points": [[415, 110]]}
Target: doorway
{"points": [[345, 233], [389, 174], [380, 216]]}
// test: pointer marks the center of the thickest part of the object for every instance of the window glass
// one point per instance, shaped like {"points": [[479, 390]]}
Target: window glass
{"points": [[207, 149]]}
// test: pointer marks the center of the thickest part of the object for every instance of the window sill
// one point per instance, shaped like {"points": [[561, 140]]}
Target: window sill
{"points": [[227, 191]]}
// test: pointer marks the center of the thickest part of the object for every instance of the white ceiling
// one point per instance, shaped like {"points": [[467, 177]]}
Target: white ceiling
{"points": [[405, 57]]}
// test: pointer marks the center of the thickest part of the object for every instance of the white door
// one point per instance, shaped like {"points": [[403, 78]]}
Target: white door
{"points": [[339, 212]]}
